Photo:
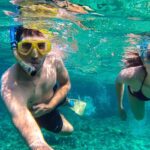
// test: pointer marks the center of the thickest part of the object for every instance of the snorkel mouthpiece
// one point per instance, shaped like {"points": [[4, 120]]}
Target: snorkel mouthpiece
{"points": [[28, 68]]}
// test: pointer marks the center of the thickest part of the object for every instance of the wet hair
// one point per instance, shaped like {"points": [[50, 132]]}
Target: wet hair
{"points": [[24, 32], [132, 59]]}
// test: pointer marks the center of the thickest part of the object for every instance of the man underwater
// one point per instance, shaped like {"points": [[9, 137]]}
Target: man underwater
{"points": [[28, 87]]}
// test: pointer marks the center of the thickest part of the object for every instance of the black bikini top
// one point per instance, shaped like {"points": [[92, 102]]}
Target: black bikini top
{"points": [[139, 93]]}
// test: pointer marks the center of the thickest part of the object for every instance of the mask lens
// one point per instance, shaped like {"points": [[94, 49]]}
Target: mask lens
{"points": [[26, 47], [42, 46]]}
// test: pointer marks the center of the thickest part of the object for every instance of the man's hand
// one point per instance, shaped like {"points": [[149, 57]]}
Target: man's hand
{"points": [[42, 148], [39, 145], [122, 114], [41, 109]]}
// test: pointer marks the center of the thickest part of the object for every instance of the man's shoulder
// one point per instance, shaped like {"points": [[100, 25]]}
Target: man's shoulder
{"points": [[53, 59], [8, 73]]}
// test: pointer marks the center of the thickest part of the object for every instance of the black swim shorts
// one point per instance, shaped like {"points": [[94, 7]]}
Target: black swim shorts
{"points": [[51, 121]]}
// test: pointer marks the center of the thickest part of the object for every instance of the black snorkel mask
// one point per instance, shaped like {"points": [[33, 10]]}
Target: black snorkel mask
{"points": [[15, 32]]}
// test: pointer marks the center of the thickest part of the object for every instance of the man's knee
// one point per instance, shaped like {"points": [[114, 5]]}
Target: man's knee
{"points": [[67, 128], [70, 128]]}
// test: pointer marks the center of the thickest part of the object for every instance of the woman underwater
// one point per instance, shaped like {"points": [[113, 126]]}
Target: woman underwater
{"points": [[136, 76]]}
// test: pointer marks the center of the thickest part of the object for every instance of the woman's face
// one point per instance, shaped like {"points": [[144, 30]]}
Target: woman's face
{"points": [[146, 54], [146, 58]]}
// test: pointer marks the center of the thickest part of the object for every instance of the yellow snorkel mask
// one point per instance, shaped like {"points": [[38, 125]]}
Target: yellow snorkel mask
{"points": [[25, 47]]}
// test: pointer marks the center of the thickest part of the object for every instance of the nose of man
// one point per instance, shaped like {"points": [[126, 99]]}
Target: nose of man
{"points": [[34, 53]]}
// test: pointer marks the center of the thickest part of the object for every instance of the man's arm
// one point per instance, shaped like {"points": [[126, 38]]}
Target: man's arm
{"points": [[21, 116], [64, 84]]}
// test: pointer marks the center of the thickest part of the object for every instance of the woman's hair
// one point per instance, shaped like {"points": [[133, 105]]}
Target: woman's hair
{"points": [[132, 59], [24, 32]]}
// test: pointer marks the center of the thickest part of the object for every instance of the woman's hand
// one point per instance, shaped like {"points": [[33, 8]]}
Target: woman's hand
{"points": [[41, 109], [122, 114]]}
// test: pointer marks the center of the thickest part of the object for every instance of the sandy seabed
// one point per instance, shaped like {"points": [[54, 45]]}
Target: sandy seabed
{"points": [[90, 134]]}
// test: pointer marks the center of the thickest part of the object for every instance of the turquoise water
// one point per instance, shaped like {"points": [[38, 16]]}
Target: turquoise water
{"points": [[93, 64]]}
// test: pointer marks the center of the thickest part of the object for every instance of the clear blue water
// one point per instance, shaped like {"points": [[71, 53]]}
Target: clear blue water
{"points": [[93, 66]]}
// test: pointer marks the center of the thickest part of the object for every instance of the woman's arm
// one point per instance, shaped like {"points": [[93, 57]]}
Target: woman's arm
{"points": [[124, 77], [120, 93]]}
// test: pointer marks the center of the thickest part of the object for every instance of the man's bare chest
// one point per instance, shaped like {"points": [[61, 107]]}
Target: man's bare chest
{"points": [[40, 92], [40, 89]]}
